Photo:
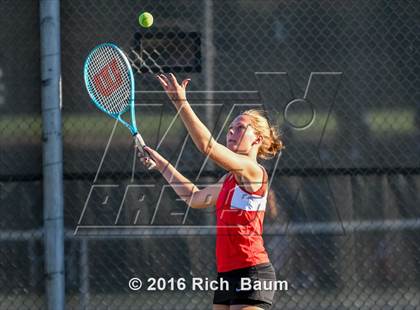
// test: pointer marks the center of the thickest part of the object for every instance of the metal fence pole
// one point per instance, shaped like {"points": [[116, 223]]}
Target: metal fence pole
{"points": [[84, 274], [52, 152], [209, 51]]}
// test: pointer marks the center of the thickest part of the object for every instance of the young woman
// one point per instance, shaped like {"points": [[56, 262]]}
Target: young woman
{"points": [[240, 197]]}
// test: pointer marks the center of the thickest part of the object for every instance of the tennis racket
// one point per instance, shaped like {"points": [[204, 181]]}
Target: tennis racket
{"points": [[109, 81]]}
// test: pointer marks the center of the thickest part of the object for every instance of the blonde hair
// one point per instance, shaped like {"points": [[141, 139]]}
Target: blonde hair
{"points": [[271, 142]]}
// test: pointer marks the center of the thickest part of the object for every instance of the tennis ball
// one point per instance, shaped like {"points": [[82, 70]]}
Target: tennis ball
{"points": [[145, 19]]}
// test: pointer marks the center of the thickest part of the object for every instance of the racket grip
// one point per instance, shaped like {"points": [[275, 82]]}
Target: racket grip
{"points": [[140, 146]]}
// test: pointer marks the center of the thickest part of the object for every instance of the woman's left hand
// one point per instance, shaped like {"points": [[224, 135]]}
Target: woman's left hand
{"points": [[175, 91], [160, 161]]}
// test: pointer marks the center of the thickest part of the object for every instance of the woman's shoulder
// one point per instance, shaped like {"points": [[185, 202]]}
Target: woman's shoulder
{"points": [[253, 184]]}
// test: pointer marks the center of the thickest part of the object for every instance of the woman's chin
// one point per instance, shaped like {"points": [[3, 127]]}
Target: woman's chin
{"points": [[232, 147], [236, 150]]}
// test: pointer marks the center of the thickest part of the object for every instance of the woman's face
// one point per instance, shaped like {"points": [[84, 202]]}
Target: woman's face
{"points": [[241, 136]]}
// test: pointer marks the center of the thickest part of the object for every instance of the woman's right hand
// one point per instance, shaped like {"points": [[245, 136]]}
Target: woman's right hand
{"points": [[160, 161]]}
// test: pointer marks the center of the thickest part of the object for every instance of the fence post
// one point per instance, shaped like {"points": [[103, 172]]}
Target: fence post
{"points": [[52, 152], [209, 51], [209, 60]]}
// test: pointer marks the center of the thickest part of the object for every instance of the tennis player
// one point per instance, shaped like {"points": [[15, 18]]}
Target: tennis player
{"points": [[240, 197]]}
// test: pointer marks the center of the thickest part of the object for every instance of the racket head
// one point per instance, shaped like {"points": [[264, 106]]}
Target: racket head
{"points": [[109, 81]]}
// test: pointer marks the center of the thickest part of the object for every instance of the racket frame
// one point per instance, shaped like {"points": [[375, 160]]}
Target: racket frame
{"points": [[132, 126]]}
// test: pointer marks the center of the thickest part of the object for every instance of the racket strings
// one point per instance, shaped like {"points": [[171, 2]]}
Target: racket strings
{"points": [[109, 80]]}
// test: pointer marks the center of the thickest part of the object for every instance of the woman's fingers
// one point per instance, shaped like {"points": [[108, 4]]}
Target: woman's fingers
{"points": [[185, 83], [173, 79], [162, 81], [150, 150], [165, 78], [167, 84], [172, 82], [175, 91], [144, 158]]}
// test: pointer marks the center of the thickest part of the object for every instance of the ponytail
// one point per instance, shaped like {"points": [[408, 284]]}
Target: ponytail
{"points": [[272, 142]]}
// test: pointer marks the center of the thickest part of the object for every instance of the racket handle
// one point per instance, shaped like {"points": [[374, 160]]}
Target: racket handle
{"points": [[140, 146]]}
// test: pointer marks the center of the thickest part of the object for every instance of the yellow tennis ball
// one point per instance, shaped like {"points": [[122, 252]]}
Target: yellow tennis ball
{"points": [[145, 19]]}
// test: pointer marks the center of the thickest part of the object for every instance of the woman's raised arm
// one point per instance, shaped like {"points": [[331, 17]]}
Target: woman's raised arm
{"points": [[200, 134]]}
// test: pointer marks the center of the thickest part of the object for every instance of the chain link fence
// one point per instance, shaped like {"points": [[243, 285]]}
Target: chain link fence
{"points": [[339, 78]]}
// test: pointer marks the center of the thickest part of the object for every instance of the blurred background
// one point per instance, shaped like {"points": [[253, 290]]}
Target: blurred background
{"points": [[339, 78]]}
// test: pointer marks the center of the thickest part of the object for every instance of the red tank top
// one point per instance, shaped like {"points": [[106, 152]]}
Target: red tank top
{"points": [[239, 219]]}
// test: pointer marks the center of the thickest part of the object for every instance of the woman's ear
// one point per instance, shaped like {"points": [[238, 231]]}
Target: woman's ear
{"points": [[257, 140]]}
